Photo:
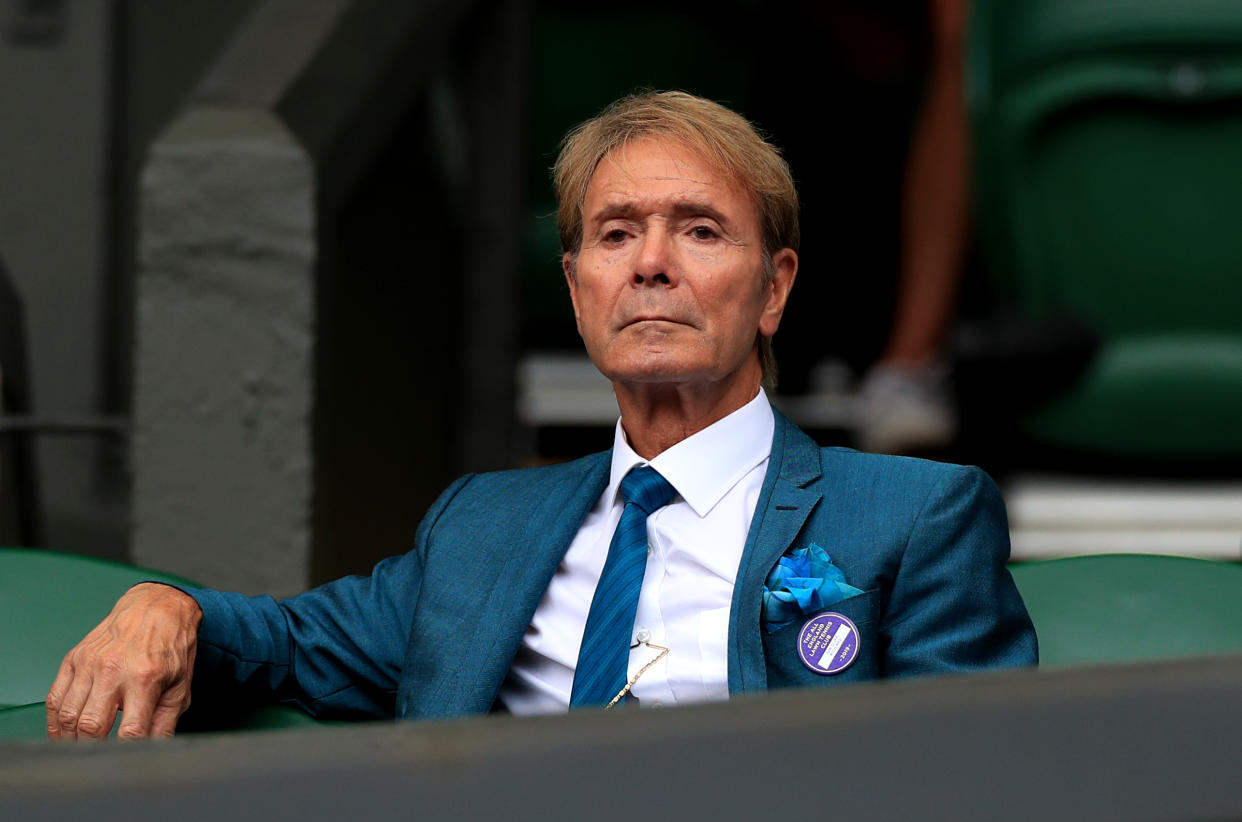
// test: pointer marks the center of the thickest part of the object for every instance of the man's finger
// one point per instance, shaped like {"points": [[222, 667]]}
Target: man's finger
{"points": [[98, 714], [55, 699], [70, 708], [142, 701], [164, 720], [136, 717]]}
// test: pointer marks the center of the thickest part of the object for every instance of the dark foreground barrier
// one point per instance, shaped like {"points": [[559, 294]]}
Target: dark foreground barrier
{"points": [[1140, 742]]}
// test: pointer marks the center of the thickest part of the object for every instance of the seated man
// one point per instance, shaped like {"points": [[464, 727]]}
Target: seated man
{"points": [[714, 550]]}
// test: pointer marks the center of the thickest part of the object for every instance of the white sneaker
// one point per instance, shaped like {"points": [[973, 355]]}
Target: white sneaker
{"points": [[904, 409]]}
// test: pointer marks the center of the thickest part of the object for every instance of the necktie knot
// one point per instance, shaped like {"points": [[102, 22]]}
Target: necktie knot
{"points": [[645, 488]]}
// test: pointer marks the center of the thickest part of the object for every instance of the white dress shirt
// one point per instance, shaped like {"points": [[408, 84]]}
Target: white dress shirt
{"points": [[695, 547]]}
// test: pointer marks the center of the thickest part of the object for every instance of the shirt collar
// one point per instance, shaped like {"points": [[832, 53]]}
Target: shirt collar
{"points": [[705, 466]]}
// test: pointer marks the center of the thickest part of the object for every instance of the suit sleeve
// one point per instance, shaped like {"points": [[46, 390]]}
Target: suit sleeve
{"points": [[953, 604], [335, 651]]}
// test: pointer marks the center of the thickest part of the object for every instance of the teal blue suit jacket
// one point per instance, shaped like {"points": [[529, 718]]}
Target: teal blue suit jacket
{"points": [[433, 633]]}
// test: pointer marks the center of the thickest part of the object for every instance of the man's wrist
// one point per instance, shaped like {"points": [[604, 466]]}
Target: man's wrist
{"points": [[170, 596]]}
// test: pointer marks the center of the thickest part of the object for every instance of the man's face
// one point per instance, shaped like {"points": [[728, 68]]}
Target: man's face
{"points": [[668, 284]]}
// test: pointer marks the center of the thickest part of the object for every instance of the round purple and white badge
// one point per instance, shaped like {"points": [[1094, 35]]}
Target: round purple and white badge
{"points": [[828, 643]]}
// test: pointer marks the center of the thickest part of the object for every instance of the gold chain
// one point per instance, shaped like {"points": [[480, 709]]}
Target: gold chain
{"points": [[663, 653]]}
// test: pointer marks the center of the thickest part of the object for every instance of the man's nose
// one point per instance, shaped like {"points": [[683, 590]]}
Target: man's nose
{"points": [[655, 263]]}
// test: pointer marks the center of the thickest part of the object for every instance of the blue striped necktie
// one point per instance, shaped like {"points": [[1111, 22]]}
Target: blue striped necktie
{"points": [[603, 659]]}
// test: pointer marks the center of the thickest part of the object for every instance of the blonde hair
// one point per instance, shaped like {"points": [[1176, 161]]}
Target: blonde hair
{"points": [[721, 137]]}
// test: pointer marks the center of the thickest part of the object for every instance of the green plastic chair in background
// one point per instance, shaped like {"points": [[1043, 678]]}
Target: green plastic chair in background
{"points": [[1106, 146], [1131, 607], [48, 602]]}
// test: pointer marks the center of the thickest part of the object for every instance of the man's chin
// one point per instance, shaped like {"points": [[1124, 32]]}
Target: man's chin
{"points": [[650, 372]]}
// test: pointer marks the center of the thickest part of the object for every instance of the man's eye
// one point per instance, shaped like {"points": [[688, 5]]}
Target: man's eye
{"points": [[702, 232], [614, 236]]}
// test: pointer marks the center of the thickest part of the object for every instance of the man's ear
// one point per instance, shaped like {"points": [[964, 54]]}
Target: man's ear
{"points": [[567, 265], [784, 271]]}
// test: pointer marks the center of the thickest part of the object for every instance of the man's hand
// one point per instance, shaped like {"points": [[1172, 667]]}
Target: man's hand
{"points": [[138, 660]]}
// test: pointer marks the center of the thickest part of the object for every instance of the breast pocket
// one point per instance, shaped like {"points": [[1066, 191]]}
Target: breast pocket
{"points": [[784, 665]]}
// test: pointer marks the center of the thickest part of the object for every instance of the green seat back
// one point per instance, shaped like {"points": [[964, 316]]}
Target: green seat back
{"points": [[23, 722], [1106, 137], [1130, 607], [48, 602]]}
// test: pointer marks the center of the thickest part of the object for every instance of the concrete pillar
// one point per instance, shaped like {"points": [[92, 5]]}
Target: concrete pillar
{"points": [[224, 353], [308, 297]]}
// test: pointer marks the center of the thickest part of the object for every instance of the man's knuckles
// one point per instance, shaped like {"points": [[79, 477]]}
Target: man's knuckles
{"points": [[118, 665], [111, 666], [68, 718], [91, 725]]}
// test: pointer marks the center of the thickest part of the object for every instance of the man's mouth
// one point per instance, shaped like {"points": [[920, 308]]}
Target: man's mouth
{"points": [[655, 318]]}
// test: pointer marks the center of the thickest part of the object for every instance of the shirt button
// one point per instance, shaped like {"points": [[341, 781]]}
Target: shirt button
{"points": [[643, 635]]}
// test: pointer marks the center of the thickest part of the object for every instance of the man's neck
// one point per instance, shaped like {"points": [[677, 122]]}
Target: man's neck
{"points": [[657, 416]]}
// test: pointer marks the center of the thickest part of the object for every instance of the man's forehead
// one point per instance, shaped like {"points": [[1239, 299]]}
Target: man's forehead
{"points": [[694, 181], [685, 160]]}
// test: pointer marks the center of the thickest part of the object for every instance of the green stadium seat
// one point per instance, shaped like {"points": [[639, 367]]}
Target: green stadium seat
{"points": [[1131, 607], [48, 602], [23, 722], [1106, 140]]}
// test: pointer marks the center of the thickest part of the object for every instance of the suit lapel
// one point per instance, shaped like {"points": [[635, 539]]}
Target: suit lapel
{"points": [[544, 541], [785, 502], [472, 667]]}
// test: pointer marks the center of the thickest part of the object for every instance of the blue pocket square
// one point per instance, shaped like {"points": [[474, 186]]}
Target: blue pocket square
{"points": [[803, 583]]}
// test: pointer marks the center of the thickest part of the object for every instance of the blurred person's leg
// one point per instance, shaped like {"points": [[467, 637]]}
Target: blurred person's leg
{"points": [[838, 83], [906, 401]]}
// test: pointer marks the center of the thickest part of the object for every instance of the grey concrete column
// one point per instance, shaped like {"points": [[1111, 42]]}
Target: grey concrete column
{"points": [[299, 278], [224, 353]]}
